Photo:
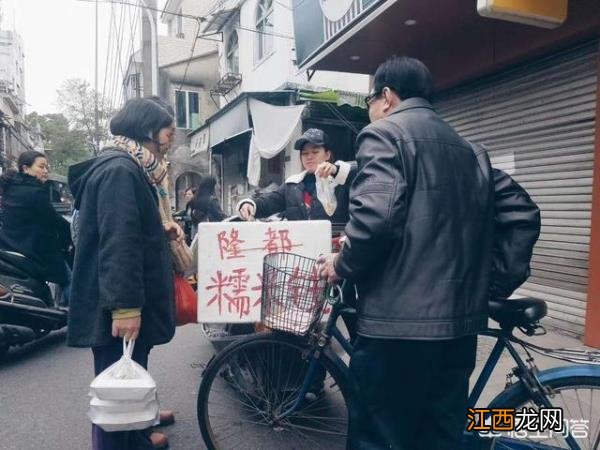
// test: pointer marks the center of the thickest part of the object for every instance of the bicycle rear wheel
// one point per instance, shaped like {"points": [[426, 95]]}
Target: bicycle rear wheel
{"points": [[579, 398], [257, 378]]}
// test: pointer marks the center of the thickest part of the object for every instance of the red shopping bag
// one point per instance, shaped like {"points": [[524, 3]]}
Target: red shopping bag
{"points": [[186, 304]]}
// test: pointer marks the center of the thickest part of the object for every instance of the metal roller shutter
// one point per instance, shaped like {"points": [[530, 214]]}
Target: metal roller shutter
{"points": [[538, 122]]}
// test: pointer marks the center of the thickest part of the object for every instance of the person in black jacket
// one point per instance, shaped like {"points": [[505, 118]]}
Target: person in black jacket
{"points": [[30, 225], [123, 275], [420, 247], [297, 198], [184, 217], [205, 206]]}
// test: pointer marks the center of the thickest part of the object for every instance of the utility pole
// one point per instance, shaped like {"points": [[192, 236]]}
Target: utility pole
{"points": [[96, 112], [149, 48]]}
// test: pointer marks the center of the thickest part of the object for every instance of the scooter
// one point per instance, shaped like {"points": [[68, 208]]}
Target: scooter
{"points": [[29, 306]]}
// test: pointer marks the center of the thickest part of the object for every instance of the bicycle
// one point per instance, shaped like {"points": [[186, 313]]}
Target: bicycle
{"points": [[253, 393]]}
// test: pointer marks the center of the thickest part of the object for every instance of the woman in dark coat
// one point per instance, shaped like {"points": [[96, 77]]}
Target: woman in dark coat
{"points": [[123, 276], [205, 205], [184, 217], [30, 225], [296, 199]]}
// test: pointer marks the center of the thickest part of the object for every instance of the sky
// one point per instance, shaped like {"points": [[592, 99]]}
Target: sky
{"points": [[59, 43]]}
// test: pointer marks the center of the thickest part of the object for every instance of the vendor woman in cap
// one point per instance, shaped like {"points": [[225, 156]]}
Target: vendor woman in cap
{"points": [[297, 198]]}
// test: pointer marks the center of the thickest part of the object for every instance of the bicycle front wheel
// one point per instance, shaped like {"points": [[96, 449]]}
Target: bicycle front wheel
{"points": [[579, 398], [254, 380]]}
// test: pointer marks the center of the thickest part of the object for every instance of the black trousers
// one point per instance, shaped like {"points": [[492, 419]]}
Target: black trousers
{"points": [[412, 394], [120, 440]]}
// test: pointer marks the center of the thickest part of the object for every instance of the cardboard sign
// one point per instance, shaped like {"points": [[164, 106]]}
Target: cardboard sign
{"points": [[230, 263]]}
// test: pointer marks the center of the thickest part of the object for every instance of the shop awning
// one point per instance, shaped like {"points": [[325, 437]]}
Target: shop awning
{"points": [[192, 70], [233, 122], [240, 139], [336, 97], [450, 36], [234, 118], [218, 20]]}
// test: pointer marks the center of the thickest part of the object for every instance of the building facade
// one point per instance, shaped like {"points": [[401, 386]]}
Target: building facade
{"points": [[184, 80], [14, 134], [257, 62], [529, 94], [12, 63]]}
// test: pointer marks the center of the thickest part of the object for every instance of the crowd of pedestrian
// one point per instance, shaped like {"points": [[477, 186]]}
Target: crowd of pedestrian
{"points": [[432, 231]]}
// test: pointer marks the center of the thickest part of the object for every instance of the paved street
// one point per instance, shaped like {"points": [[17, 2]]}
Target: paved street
{"points": [[43, 390]]}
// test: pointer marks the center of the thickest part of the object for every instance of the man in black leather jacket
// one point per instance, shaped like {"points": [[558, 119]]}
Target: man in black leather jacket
{"points": [[420, 247]]}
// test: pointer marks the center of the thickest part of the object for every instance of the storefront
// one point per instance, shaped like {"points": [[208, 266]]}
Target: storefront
{"points": [[538, 121], [228, 136], [529, 95]]}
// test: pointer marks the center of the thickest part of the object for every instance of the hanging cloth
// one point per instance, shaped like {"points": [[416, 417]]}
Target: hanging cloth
{"points": [[273, 127]]}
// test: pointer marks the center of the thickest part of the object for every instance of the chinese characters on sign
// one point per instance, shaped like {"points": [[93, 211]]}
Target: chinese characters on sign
{"points": [[229, 244], [527, 423], [278, 241], [231, 290], [230, 258]]}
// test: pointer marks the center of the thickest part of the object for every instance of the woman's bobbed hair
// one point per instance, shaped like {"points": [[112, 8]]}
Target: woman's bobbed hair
{"points": [[140, 119]]}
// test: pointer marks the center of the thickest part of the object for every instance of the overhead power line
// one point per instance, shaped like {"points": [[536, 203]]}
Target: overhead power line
{"points": [[187, 66], [131, 49], [116, 65], [108, 51], [283, 5], [119, 2], [114, 82], [189, 16], [341, 117], [254, 30]]}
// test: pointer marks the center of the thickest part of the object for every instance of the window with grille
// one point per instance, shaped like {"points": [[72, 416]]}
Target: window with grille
{"points": [[233, 54], [264, 29]]}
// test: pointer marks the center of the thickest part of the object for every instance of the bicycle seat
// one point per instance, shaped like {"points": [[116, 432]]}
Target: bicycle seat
{"points": [[21, 262], [520, 312]]}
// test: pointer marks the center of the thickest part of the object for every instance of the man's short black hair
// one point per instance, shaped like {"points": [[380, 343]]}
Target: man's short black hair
{"points": [[408, 77], [140, 119]]}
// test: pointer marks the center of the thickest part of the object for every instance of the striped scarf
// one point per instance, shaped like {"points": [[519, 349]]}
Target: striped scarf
{"points": [[155, 169]]}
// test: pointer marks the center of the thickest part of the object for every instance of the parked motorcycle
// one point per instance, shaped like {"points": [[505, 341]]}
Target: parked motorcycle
{"points": [[29, 306]]}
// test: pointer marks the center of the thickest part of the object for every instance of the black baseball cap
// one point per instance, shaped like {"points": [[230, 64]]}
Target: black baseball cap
{"points": [[313, 136]]}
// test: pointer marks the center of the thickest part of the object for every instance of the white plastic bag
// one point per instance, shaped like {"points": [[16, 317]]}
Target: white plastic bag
{"points": [[326, 194], [124, 396], [118, 407], [125, 380], [123, 416]]}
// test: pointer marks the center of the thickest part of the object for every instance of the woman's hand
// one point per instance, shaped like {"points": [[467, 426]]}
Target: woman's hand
{"points": [[127, 328], [174, 231], [247, 211], [326, 169]]}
